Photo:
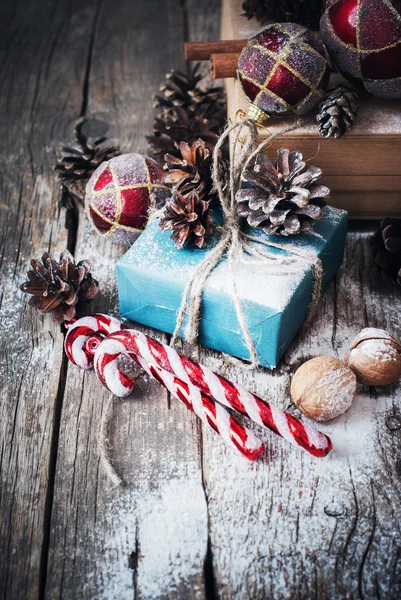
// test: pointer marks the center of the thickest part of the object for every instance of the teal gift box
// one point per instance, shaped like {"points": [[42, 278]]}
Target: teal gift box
{"points": [[152, 276]]}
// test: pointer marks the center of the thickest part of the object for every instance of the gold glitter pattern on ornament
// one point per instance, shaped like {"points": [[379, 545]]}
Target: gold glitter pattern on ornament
{"points": [[357, 52], [281, 59], [115, 189]]}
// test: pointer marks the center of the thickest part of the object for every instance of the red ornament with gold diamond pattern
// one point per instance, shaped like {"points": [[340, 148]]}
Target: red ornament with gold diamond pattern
{"points": [[120, 194], [363, 38], [284, 67]]}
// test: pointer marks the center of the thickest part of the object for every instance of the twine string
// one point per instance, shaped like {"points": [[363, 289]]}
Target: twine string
{"points": [[104, 443], [238, 245]]}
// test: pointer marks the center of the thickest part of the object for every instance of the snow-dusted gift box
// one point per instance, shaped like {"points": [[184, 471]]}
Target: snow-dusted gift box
{"points": [[152, 276]]}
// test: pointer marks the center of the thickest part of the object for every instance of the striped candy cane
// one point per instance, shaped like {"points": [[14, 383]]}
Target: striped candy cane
{"points": [[85, 335], [194, 384], [213, 414], [215, 386]]}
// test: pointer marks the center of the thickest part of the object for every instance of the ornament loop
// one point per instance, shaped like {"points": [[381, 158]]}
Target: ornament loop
{"points": [[257, 115]]}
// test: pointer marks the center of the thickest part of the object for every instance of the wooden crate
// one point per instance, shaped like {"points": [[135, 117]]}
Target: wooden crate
{"points": [[363, 169]]}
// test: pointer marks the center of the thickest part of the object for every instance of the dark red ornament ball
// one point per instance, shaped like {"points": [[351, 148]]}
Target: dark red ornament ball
{"points": [[363, 38], [284, 67], [120, 194]]}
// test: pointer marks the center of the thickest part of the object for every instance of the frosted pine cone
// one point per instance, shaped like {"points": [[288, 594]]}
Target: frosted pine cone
{"points": [[186, 111], [180, 89], [282, 197]]}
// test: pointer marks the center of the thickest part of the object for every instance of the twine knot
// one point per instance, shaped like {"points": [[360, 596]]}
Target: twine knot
{"points": [[237, 245]]}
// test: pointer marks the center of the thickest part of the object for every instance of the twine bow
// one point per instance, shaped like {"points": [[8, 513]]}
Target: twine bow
{"points": [[237, 244]]}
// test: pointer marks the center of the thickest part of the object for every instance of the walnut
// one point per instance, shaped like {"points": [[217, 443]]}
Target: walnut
{"points": [[375, 357], [323, 388]]}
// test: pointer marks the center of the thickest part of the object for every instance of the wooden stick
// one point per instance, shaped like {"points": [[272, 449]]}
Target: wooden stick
{"points": [[224, 65], [204, 50]]}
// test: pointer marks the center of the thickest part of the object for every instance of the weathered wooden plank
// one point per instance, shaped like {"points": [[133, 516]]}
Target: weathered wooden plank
{"points": [[149, 539], [38, 82], [289, 526], [293, 526]]}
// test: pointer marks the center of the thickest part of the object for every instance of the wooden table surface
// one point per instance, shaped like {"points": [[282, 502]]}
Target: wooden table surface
{"points": [[194, 520]]}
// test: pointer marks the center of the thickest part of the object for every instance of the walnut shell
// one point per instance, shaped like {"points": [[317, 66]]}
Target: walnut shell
{"points": [[323, 388], [375, 357]]}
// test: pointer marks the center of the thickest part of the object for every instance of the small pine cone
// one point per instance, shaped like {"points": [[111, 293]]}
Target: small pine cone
{"points": [[189, 218], [76, 165], [281, 197], [336, 113], [386, 250], [191, 172], [58, 286]]}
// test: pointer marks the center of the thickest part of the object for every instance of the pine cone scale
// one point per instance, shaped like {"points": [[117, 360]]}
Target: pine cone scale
{"points": [[319, 191], [189, 218]]}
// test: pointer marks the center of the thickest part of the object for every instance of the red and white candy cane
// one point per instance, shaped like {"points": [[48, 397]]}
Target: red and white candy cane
{"points": [[89, 335], [85, 335], [158, 356], [197, 386], [213, 414]]}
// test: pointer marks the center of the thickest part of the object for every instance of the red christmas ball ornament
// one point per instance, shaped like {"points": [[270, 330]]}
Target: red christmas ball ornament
{"points": [[120, 194], [363, 38], [284, 67]]}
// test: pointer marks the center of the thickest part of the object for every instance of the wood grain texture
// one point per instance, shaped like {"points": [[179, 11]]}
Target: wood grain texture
{"points": [[295, 527], [148, 539], [34, 92], [194, 519]]}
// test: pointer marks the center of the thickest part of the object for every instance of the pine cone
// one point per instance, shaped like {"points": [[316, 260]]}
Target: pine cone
{"points": [[304, 12], [186, 113], [336, 113], [281, 197], [192, 172], [190, 219], [183, 90], [77, 164], [386, 250], [181, 126], [59, 286]]}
